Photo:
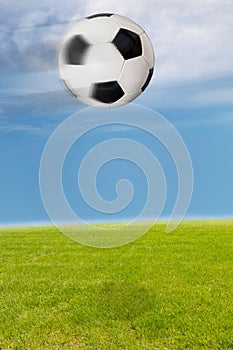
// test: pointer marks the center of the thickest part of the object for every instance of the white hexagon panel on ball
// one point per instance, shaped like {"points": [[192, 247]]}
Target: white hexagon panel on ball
{"points": [[106, 60]]}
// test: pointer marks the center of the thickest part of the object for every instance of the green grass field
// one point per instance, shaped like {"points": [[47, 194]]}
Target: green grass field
{"points": [[164, 291]]}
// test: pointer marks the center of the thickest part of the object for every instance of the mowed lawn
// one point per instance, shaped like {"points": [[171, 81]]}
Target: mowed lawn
{"points": [[164, 291]]}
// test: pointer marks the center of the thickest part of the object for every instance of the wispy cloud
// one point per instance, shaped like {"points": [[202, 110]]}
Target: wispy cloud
{"points": [[222, 95], [212, 93], [9, 127], [35, 106], [224, 118], [191, 38], [30, 34]]}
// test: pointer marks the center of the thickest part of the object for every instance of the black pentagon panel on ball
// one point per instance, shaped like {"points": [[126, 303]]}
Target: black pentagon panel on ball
{"points": [[151, 71], [100, 15], [76, 50], [108, 92], [128, 43]]}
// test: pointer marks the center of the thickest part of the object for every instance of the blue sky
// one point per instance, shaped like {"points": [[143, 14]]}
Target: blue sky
{"points": [[192, 88]]}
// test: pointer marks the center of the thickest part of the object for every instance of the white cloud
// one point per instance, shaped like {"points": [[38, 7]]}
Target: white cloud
{"points": [[31, 32], [210, 93], [192, 40], [218, 119], [9, 128], [223, 95]]}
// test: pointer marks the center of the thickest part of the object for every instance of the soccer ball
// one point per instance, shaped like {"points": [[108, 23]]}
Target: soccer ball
{"points": [[106, 60]]}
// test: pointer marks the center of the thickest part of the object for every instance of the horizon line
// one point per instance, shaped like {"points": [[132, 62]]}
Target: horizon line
{"points": [[162, 220]]}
